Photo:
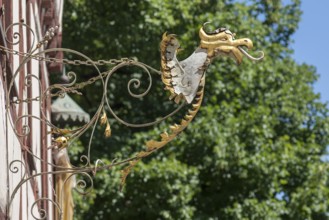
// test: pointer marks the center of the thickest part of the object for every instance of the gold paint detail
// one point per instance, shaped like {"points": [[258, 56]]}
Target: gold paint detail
{"points": [[125, 172], [169, 47], [108, 131], [64, 182], [60, 143], [104, 121], [223, 43]]}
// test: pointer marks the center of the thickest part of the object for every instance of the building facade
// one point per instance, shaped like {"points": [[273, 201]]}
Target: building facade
{"points": [[26, 186]]}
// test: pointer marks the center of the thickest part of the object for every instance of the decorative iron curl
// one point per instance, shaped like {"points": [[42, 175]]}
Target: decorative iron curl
{"points": [[15, 169], [86, 159], [17, 35], [25, 128], [136, 83], [81, 185], [62, 86], [42, 212], [71, 75], [28, 80]]}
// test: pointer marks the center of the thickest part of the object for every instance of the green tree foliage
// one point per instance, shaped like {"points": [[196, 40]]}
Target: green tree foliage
{"points": [[255, 150]]}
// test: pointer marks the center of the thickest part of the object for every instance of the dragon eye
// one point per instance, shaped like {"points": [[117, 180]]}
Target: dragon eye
{"points": [[224, 39]]}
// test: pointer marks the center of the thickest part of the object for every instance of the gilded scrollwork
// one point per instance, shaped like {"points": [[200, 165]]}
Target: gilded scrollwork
{"points": [[184, 79]]}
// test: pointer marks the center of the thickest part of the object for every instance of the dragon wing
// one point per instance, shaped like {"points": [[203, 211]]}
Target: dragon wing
{"points": [[183, 78]]}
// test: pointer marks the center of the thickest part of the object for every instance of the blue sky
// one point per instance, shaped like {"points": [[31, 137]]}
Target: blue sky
{"points": [[311, 44]]}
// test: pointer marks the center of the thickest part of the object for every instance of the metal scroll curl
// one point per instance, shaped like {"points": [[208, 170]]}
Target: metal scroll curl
{"points": [[17, 36], [40, 213], [22, 126]]}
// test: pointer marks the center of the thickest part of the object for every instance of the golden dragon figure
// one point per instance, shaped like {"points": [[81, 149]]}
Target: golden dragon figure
{"points": [[186, 79]]}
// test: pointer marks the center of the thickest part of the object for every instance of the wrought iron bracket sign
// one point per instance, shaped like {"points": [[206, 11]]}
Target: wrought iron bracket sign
{"points": [[185, 80]]}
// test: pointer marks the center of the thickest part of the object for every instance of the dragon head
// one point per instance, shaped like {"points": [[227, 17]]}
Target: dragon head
{"points": [[184, 78], [222, 42]]}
